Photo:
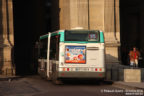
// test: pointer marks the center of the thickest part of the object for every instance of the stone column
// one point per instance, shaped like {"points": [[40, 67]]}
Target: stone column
{"points": [[112, 30], [64, 14], [1, 39], [96, 14], [73, 13], [7, 43]]}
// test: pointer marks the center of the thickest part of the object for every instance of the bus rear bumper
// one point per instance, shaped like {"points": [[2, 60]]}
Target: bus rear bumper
{"points": [[81, 74]]}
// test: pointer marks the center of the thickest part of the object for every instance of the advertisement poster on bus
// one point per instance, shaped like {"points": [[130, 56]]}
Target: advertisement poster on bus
{"points": [[75, 54]]}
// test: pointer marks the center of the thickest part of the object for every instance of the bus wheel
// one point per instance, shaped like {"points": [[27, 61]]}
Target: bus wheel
{"points": [[55, 80]]}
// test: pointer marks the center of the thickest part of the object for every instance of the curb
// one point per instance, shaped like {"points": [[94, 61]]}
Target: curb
{"points": [[126, 86]]}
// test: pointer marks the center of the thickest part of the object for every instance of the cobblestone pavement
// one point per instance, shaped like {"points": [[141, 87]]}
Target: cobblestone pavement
{"points": [[35, 86]]}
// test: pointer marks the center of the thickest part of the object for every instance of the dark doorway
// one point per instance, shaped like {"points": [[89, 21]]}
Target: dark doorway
{"points": [[32, 18], [29, 23], [132, 22]]}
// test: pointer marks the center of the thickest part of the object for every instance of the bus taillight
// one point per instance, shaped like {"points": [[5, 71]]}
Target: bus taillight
{"points": [[63, 69], [67, 69], [100, 69], [96, 69]]}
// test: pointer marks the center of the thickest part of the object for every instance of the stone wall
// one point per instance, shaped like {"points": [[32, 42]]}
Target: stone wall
{"points": [[94, 14], [73, 13]]}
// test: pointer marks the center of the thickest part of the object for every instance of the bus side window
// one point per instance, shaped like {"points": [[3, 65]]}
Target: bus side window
{"points": [[57, 47], [54, 47], [43, 49]]}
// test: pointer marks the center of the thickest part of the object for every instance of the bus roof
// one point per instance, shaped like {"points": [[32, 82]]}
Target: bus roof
{"points": [[52, 34], [44, 36], [61, 32]]}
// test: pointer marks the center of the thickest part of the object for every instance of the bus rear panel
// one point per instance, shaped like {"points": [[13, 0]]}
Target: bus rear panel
{"points": [[82, 55]]}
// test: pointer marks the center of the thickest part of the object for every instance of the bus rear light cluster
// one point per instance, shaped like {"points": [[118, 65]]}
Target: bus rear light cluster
{"points": [[66, 69], [98, 69]]}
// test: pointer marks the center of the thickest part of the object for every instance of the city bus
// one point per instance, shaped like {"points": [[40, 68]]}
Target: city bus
{"points": [[72, 54]]}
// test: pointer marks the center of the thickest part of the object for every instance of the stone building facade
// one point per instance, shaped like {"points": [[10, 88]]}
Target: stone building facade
{"points": [[66, 14]]}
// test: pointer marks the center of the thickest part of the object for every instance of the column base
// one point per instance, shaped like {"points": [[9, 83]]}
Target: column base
{"points": [[112, 53]]}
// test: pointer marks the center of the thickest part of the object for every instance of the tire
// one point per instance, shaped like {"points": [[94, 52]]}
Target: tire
{"points": [[55, 80]]}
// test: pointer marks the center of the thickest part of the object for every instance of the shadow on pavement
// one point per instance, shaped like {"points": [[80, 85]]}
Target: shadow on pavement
{"points": [[84, 82]]}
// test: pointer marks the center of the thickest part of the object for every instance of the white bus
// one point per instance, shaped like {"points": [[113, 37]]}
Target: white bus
{"points": [[72, 54]]}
